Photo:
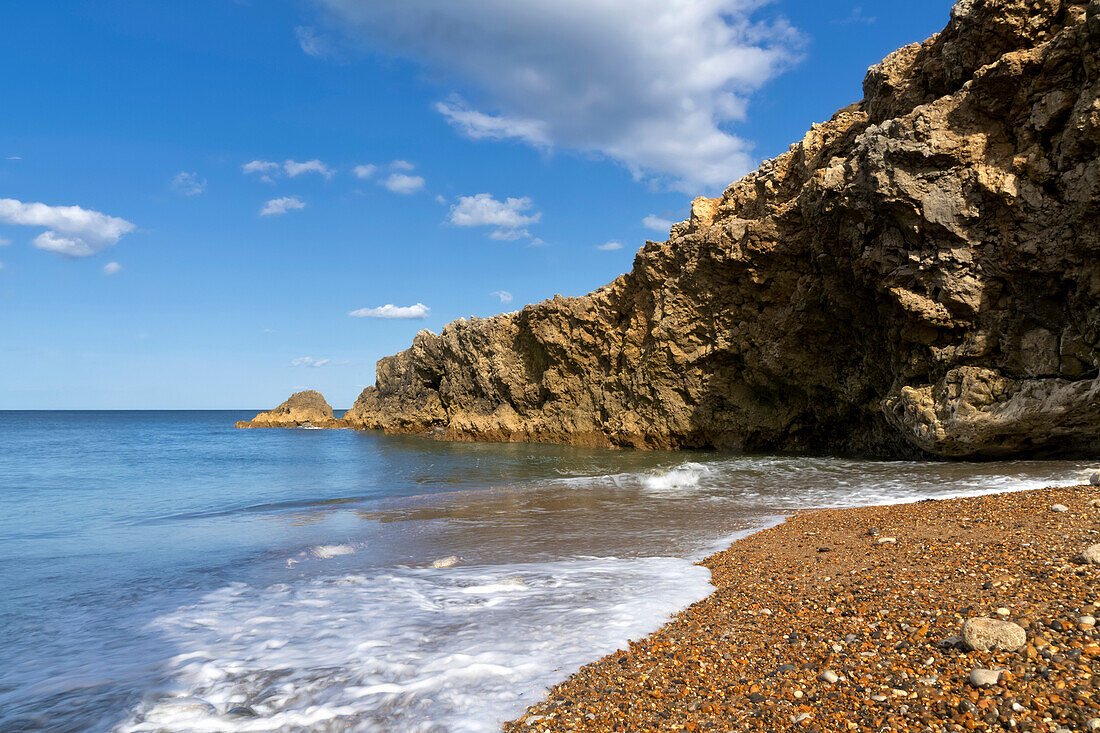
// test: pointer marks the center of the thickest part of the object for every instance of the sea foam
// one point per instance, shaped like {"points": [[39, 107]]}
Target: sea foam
{"points": [[684, 476], [459, 650]]}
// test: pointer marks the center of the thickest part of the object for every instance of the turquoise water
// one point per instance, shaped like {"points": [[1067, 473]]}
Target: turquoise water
{"points": [[162, 569]]}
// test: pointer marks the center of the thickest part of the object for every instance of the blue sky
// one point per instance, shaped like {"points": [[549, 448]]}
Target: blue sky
{"points": [[447, 159]]}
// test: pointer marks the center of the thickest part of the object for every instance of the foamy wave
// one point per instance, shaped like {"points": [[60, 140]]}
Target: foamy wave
{"points": [[685, 476], [460, 650], [324, 552], [782, 483], [775, 484], [680, 478]]}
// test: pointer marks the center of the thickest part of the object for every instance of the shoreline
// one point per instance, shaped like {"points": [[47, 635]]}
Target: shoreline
{"points": [[827, 593]]}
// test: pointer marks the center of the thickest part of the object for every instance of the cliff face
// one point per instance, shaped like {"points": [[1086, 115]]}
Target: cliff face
{"points": [[307, 408], [921, 273]]}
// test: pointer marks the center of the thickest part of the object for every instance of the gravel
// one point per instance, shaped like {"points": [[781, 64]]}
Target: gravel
{"points": [[901, 666]]}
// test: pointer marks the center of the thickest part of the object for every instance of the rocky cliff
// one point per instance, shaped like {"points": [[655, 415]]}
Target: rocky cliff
{"points": [[919, 275], [303, 409]]}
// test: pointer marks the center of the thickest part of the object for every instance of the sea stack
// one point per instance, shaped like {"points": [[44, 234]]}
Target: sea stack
{"points": [[919, 275], [303, 409]]}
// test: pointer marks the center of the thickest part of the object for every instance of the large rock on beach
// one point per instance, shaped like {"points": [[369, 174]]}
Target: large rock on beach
{"points": [[920, 274], [983, 634], [303, 409]]}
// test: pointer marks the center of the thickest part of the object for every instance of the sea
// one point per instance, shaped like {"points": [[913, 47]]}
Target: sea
{"points": [[162, 571]]}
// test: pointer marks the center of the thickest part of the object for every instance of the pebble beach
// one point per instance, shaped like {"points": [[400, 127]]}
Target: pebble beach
{"points": [[961, 614]]}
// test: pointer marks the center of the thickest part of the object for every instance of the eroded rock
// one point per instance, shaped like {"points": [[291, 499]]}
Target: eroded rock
{"points": [[920, 274], [303, 409]]}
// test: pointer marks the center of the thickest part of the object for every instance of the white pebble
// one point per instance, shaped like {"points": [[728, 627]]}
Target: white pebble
{"points": [[1002, 611], [829, 676], [1059, 508], [985, 677], [886, 540]]}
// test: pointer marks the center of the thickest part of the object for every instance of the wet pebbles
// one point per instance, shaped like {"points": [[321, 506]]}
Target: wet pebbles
{"points": [[870, 636]]}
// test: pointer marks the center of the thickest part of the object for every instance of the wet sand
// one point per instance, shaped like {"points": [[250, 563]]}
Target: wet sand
{"points": [[824, 624]]}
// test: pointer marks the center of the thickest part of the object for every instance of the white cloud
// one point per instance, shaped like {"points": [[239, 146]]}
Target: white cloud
{"points": [[480, 126], [364, 171], [651, 84], [259, 166], [1, 265], [14, 157], [402, 165], [112, 268], [506, 217], [306, 361], [277, 207], [403, 183], [393, 311], [610, 246], [657, 224], [294, 169], [310, 42], [291, 168], [504, 295], [189, 184], [4, 242], [71, 230], [855, 17]]}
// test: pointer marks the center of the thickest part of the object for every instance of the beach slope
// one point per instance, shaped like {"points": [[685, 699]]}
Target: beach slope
{"points": [[852, 619]]}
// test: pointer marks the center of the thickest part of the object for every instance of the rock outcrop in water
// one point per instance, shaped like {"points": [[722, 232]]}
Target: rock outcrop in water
{"points": [[919, 275], [303, 409]]}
